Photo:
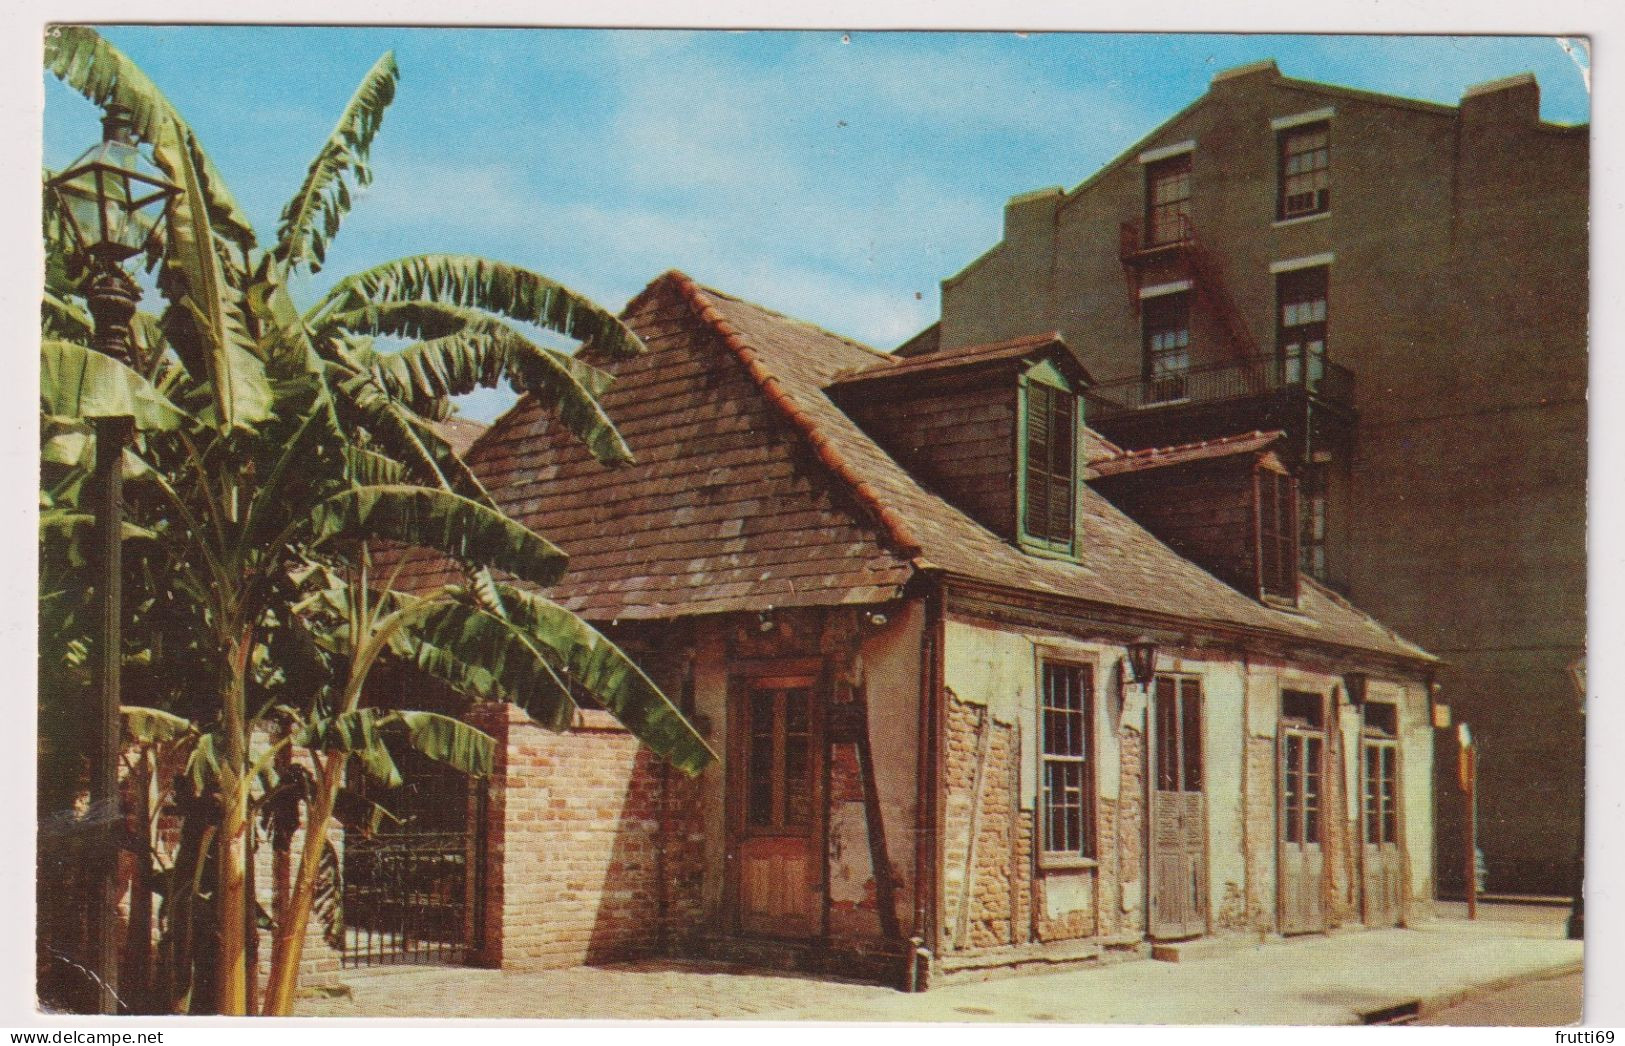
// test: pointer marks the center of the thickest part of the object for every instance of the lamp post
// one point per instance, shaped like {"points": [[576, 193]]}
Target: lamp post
{"points": [[1577, 909], [114, 200]]}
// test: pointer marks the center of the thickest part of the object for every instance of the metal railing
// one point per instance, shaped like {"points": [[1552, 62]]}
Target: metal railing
{"points": [[1171, 230], [1232, 379]]}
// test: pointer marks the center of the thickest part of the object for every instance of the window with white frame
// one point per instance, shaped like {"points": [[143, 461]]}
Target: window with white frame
{"points": [[1067, 808]]}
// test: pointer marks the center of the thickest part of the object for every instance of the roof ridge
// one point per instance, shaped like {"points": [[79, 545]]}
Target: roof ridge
{"points": [[894, 526], [882, 353]]}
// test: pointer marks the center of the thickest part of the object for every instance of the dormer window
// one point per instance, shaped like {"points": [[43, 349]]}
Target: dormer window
{"points": [[1049, 474], [1277, 495]]}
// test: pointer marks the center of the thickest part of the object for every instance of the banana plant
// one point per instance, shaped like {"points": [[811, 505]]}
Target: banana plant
{"points": [[293, 440]]}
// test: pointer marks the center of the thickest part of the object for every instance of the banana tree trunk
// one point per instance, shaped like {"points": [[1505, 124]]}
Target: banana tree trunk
{"points": [[289, 946], [233, 906]]}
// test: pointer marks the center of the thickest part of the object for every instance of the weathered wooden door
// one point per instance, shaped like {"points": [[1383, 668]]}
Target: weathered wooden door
{"points": [[1302, 861], [1178, 813], [1382, 858], [778, 747]]}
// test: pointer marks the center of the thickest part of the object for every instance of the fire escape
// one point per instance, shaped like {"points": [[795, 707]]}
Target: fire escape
{"points": [[1226, 388], [1232, 387]]}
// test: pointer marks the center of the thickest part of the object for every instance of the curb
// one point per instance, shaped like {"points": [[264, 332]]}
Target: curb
{"points": [[1444, 1000]]}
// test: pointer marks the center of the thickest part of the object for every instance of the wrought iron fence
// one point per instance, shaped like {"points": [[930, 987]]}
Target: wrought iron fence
{"points": [[406, 899]]}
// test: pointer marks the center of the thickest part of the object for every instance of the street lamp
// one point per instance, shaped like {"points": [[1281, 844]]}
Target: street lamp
{"points": [[1142, 659], [114, 200]]}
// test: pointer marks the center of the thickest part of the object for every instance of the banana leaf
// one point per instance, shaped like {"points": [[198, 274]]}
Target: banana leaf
{"points": [[76, 382], [439, 520]]}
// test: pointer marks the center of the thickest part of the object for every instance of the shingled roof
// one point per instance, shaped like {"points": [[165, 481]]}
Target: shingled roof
{"points": [[752, 488], [1184, 453]]}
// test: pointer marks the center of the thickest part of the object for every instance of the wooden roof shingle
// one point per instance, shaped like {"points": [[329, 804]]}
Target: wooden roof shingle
{"points": [[752, 488]]}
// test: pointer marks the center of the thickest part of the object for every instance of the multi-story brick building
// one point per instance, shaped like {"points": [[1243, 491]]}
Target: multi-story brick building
{"points": [[1401, 287]]}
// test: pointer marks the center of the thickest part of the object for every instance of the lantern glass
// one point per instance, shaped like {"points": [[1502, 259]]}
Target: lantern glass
{"points": [[114, 200], [1142, 659]]}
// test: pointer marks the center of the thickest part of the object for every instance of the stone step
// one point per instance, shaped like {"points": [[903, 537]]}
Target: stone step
{"points": [[987, 962], [1200, 948]]}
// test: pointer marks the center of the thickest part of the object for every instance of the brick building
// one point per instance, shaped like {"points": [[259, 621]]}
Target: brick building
{"points": [[1400, 287], [900, 599]]}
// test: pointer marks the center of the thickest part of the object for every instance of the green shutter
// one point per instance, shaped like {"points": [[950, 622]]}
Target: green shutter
{"points": [[1051, 467]]}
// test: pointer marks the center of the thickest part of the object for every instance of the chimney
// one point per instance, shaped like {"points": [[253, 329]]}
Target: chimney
{"points": [[1510, 102], [1030, 217], [1235, 75]]}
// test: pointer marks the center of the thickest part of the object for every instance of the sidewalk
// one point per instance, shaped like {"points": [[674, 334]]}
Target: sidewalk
{"points": [[1311, 980]]}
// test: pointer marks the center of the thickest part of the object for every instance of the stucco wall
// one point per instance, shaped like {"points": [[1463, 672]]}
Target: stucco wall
{"points": [[991, 671]]}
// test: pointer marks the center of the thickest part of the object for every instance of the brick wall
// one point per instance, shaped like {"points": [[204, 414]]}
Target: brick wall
{"points": [[574, 868], [1010, 903]]}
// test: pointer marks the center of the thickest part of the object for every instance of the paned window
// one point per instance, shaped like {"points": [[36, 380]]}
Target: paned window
{"points": [[1300, 327], [1167, 339], [1168, 201], [1277, 534], [1051, 463], [1068, 703], [1306, 183], [1312, 521], [1178, 704], [1381, 792], [1301, 786], [778, 758]]}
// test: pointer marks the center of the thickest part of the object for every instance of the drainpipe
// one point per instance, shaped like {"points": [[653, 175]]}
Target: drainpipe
{"points": [[923, 935]]}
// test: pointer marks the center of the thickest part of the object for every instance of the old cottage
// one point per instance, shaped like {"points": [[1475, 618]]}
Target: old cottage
{"points": [[984, 684]]}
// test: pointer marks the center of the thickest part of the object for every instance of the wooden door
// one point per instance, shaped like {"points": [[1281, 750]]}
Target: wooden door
{"points": [[778, 746], [1382, 866], [1178, 812], [1301, 861]]}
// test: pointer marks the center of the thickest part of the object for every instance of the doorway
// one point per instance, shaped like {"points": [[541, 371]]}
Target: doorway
{"points": [[1301, 858], [776, 809], [1382, 856], [1178, 811]]}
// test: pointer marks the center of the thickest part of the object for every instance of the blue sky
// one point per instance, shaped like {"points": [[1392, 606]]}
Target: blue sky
{"points": [[836, 178]]}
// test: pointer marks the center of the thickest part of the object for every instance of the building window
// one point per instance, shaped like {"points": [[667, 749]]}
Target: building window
{"points": [[1051, 463], [1167, 337], [1277, 535], [1068, 704], [1305, 183], [1312, 521], [1300, 325], [1168, 201]]}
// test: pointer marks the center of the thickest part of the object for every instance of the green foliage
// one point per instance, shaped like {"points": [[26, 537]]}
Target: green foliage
{"points": [[96, 69], [490, 285], [76, 382], [273, 450], [311, 219], [440, 520], [599, 667]]}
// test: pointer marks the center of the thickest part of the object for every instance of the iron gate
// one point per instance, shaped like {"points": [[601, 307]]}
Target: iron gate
{"points": [[412, 891]]}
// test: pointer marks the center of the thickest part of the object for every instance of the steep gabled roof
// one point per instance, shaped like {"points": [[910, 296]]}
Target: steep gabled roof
{"points": [[752, 488]]}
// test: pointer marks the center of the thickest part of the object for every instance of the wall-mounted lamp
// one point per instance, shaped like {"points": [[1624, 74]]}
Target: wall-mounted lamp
{"points": [[1354, 685], [764, 620], [877, 619], [1142, 659]]}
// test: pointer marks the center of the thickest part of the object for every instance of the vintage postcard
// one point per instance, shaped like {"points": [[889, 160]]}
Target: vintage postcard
{"points": [[812, 525]]}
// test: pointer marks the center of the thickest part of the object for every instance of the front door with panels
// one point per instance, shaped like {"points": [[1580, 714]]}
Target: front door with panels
{"points": [[776, 824], [1382, 868], [1301, 858], [1178, 812]]}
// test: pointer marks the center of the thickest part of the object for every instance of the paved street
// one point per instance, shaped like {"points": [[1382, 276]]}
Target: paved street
{"points": [[1549, 1002], [1333, 979]]}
